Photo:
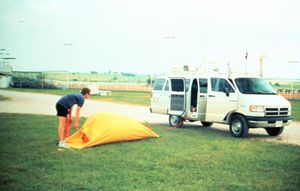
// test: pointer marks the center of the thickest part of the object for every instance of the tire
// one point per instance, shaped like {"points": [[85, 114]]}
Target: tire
{"points": [[206, 124], [274, 131], [175, 121], [238, 126]]}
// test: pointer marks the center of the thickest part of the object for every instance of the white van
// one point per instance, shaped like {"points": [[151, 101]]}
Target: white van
{"points": [[243, 102]]}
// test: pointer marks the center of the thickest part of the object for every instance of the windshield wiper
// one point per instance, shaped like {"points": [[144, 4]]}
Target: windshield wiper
{"points": [[260, 93], [265, 93]]}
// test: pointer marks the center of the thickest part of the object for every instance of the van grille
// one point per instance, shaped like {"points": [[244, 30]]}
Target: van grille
{"points": [[276, 111]]}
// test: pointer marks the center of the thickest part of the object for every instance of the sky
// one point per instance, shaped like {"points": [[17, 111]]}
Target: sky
{"points": [[151, 36]]}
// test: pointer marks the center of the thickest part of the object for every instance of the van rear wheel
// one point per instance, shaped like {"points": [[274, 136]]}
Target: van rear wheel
{"points": [[238, 126], [274, 131], [175, 121]]}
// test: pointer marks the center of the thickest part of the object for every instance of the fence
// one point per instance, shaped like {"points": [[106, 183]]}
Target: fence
{"points": [[113, 86], [39, 80], [288, 94]]}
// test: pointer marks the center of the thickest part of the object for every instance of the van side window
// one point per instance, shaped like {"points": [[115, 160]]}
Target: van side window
{"points": [[177, 85], [159, 84], [203, 85], [220, 85], [167, 87]]}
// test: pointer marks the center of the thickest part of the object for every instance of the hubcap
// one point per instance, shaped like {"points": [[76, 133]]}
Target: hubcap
{"points": [[174, 120], [236, 127]]}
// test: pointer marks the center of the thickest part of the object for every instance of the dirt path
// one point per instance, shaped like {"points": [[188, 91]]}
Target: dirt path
{"points": [[35, 103]]}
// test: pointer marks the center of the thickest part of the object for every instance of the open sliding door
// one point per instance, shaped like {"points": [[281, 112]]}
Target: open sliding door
{"points": [[177, 96]]}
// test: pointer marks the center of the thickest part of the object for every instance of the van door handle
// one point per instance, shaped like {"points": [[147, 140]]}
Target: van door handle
{"points": [[211, 96], [202, 95]]}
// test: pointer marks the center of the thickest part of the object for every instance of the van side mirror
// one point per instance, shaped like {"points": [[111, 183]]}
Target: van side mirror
{"points": [[226, 91]]}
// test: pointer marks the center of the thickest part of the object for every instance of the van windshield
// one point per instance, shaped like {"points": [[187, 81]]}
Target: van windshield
{"points": [[254, 86]]}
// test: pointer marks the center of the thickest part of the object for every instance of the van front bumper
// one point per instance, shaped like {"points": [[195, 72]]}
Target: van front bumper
{"points": [[265, 122]]}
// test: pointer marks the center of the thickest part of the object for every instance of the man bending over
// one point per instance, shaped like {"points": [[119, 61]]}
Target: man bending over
{"points": [[64, 108]]}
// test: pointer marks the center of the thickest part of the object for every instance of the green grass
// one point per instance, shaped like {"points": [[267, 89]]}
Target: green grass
{"points": [[2, 98], [128, 97], [194, 158], [295, 109]]}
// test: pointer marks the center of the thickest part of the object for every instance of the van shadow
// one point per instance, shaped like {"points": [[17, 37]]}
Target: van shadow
{"points": [[205, 129], [223, 130]]}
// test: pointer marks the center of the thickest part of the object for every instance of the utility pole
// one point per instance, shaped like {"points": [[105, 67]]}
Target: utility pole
{"points": [[65, 45], [261, 62], [246, 63], [229, 69], [292, 81]]}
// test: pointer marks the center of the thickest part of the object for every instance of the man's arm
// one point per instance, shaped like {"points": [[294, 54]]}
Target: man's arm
{"points": [[69, 116], [70, 111], [76, 124]]}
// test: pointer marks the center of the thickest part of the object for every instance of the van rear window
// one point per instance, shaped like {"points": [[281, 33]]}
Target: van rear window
{"points": [[159, 84], [177, 85]]}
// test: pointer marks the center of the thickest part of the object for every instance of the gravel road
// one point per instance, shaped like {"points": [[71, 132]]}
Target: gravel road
{"points": [[35, 103]]}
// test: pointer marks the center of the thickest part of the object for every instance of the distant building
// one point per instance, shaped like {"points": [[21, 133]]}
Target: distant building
{"points": [[5, 75]]}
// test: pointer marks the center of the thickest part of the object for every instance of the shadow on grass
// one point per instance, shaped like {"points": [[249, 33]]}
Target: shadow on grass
{"points": [[223, 130]]}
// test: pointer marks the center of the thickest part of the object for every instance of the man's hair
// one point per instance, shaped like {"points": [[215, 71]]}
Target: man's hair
{"points": [[85, 91]]}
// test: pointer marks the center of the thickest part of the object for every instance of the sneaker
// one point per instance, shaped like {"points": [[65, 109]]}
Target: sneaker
{"points": [[63, 145]]}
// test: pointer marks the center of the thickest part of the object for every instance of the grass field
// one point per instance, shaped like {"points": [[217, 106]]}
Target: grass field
{"points": [[2, 98], [181, 159], [128, 97], [296, 109]]}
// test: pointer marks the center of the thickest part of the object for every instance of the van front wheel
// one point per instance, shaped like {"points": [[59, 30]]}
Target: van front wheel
{"points": [[175, 121], [238, 126]]}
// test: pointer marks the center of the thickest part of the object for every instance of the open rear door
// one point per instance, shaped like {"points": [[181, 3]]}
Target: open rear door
{"points": [[177, 96]]}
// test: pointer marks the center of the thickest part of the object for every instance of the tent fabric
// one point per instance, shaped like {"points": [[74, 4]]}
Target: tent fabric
{"points": [[103, 128]]}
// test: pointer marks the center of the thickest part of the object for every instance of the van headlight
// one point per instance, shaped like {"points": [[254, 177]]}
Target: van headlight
{"points": [[256, 108]]}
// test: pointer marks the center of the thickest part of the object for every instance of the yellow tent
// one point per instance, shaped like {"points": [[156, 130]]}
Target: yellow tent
{"points": [[102, 128]]}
